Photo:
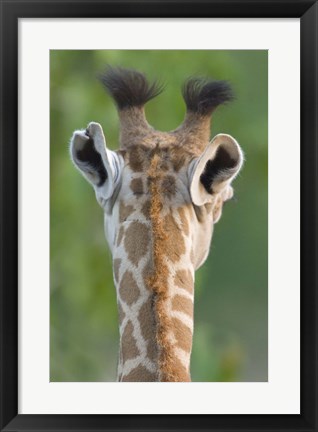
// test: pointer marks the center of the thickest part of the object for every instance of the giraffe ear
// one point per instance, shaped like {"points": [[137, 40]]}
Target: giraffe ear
{"points": [[101, 167], [214, 171]]}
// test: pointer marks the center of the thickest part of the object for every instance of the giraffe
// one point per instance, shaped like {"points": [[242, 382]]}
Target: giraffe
{"points": [[161, 194]]}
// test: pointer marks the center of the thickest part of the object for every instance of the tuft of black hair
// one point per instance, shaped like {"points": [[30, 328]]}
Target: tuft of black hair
{"points": [[128, 87], [221, 167], [203, 96], [89, 157]]}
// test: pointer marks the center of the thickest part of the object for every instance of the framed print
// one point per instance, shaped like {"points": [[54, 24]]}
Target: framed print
{"points": [[77, 148]]}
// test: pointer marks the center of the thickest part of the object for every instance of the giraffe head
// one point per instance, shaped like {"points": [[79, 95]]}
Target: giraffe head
{"points": [[162, 193]]}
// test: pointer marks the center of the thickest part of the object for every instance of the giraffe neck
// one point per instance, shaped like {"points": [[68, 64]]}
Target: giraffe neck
{"points": [[138, 350], [153, 272], [172, 281], [155, 321]]}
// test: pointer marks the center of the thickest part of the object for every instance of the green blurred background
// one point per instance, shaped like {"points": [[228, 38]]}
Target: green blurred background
{"points": [[230, 331]]}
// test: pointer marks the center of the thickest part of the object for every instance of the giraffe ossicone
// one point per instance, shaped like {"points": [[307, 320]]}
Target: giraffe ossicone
{"points": [[161, 193]]}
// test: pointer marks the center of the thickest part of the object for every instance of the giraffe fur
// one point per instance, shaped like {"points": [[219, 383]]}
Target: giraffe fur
{"points": [[161, 194]]}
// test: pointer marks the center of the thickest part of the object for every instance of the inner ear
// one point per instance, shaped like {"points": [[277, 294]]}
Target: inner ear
{"points": [[90, 160], [219, 168], [215, 169]]}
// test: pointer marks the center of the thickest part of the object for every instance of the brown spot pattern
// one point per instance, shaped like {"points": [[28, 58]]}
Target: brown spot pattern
{"points": [[182, 334], [174, 244], [128, 289], [121, 313], [182, 304], [116, 265], [168, 186], [178, 161], [145, 209], [146, 274], [183, 279], [124, 211], [140, 374], [167, 241], [136, 157], [136, 186], [164, 166], [128, 343], [136, 241], [148, 327], [120, 235]]}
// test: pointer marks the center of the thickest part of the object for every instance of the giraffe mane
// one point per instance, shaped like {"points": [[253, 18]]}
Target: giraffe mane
{"points": [[158, 280], [169, 370]]}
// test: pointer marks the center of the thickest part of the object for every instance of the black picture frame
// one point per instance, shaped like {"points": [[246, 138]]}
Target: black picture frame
{"points": [[11, 12]]}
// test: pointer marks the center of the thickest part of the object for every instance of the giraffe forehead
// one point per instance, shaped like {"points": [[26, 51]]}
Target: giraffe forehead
{"points": [[165, 166], [168, 157]]}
